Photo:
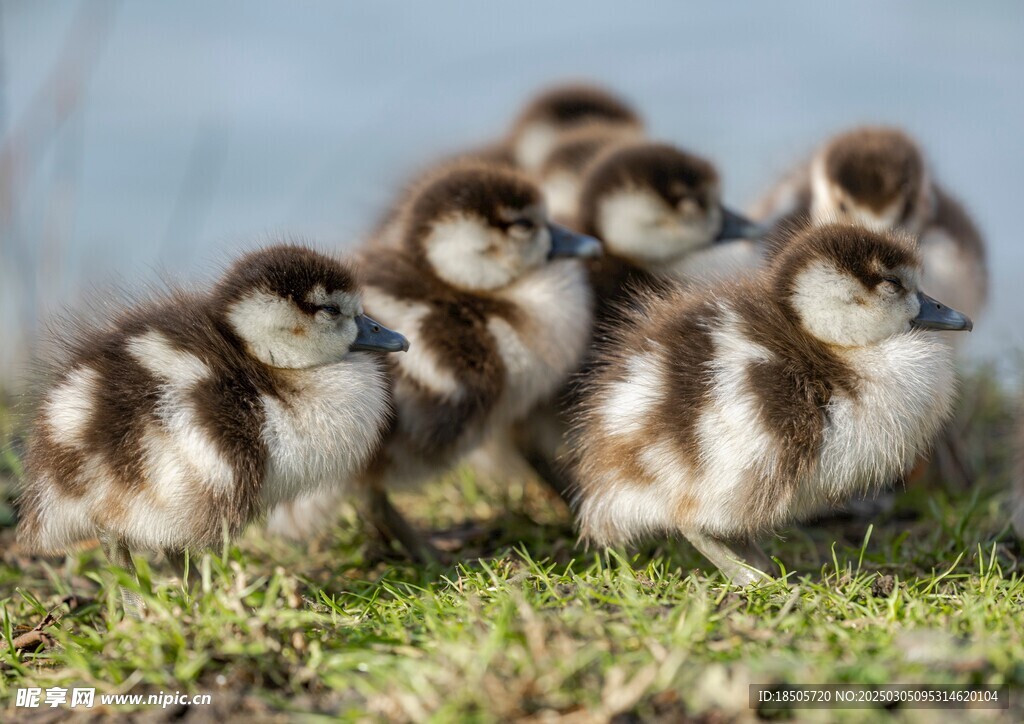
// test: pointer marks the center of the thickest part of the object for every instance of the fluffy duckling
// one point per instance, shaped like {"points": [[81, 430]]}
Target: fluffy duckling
{"points": [[562, 108], [561, 175], [658, 212], [174, 420], [877, 177], [496, 322], [656, 209], [726, 414]]}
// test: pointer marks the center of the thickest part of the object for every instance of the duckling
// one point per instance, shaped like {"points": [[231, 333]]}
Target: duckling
{"points": [[562, 108], [877, 177], [725, 414], [496, 322], [561, 174], [169, 422], [658, 211]]}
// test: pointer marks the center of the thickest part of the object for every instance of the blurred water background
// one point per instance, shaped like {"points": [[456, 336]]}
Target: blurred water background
{"points": [[145, 136]]}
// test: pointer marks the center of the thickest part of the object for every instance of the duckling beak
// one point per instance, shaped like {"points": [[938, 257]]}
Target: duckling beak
{"points": [[934, 315], [565, 242], [736, 226], [373, 337]]}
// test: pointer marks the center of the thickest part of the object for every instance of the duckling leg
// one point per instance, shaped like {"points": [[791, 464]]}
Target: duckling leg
{"points": [[393, 526], [950, 457], [548, 472], [118, 555], [741, 561], [540, 443], [176, 560]]}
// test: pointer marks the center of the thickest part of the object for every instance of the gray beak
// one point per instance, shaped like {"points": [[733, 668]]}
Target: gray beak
{"points": [[565, 242], [934, 315], [735, 226], [373, 337]]}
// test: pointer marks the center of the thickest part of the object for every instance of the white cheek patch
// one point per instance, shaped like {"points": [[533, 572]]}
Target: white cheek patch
{"points": [[638, 225], [534, 145], [561, 191], [70, 405], [837, 309], [279, 334], [457, 249]]}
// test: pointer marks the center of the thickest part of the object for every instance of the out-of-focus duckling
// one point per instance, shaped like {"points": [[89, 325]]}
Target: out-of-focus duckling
{"points": [[561, 175], [563, 108], [495, 319], [725, 414], [169, 422]]}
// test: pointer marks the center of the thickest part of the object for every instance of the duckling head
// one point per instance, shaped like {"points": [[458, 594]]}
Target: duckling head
{"points": [[480, 228], [849, 286], [875, 177], [560, 109], [294, 308], [652, 203]]}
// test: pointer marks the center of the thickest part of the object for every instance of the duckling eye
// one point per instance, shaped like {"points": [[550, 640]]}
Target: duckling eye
{"points": [[522, 226], [331, 310], [892, 285]]}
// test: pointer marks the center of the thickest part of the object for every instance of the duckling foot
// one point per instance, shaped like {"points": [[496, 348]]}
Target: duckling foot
{"points": [[393, 526], [743, 562], [118, 555]]}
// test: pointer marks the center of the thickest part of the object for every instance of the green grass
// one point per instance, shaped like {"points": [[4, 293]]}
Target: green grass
{"points": [[528, 625]]}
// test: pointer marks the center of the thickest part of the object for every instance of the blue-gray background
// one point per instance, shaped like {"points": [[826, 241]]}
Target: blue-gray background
{"points": [[206, 127]]}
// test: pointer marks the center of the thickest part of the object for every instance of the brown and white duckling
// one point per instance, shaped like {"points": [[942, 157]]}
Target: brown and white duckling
{"points": [[656, 209], [658, 212], [878, 177], [561, 175], [728, 413], [496, 322], [169, 422], [562, 108]]}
